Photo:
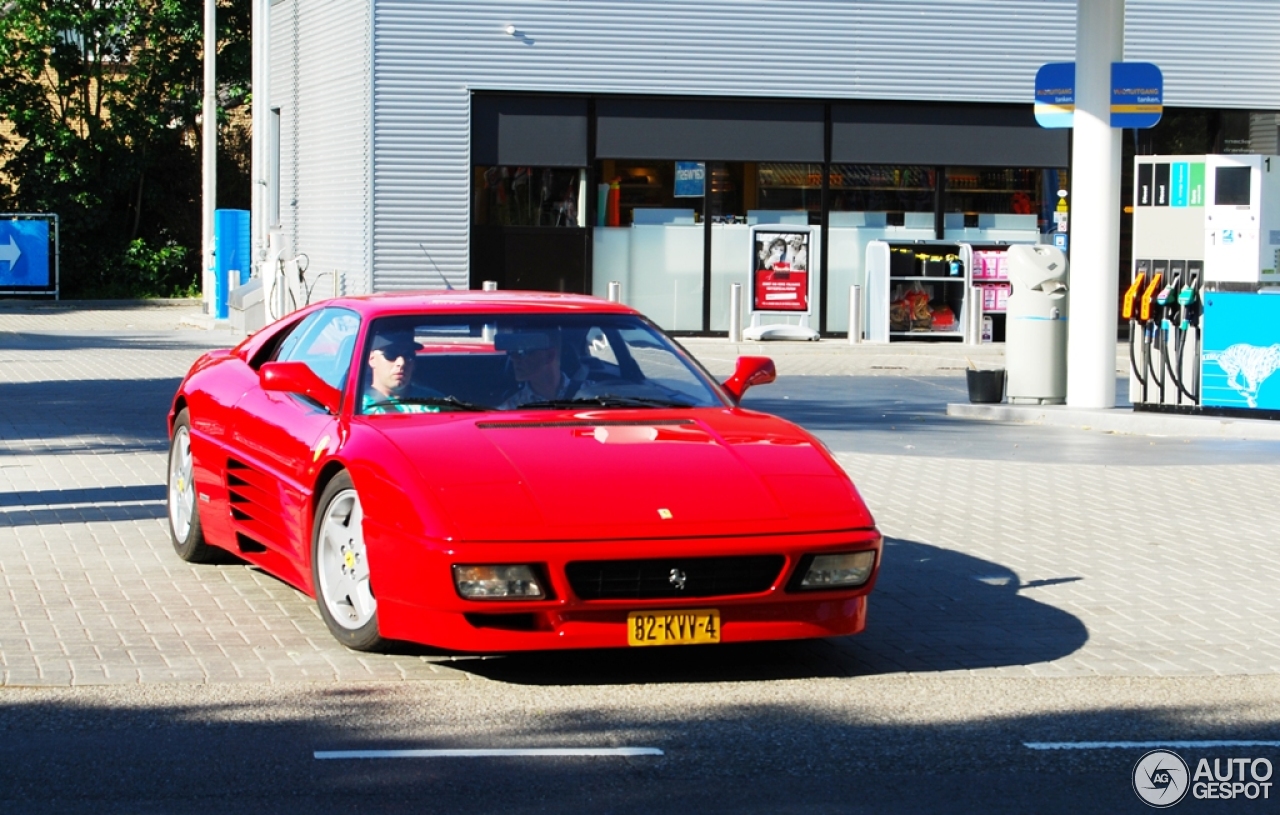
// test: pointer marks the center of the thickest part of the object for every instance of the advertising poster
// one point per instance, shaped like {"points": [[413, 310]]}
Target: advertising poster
{"points": [[780, 281], [691, 179], [1240, 362]]}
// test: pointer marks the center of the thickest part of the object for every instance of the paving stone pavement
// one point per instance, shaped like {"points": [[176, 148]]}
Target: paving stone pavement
{"points": [[991, 566]]}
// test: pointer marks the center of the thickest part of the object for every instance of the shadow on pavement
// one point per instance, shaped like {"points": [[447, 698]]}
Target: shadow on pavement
{"points": [[110, 415], [932, 610], [250, 750], [82, 505], [196, 342], [83, 495]]}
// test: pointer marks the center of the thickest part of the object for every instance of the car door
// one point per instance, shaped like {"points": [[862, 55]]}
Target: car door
{"points": [[277, 438]]}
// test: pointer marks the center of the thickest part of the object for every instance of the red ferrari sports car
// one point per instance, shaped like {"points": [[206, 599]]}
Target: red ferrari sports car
{"points": [[501, 471]]}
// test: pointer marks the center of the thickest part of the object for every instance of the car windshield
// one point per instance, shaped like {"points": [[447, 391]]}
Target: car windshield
{"points": [[434, 363]]}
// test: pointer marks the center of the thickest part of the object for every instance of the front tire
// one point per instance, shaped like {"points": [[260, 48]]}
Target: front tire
{"points": [[185, 529], [340, 567]]}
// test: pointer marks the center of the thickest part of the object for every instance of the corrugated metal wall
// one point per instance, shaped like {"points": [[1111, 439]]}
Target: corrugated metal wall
{"points": [[429, 54], [1220, 54], [325, 201]]}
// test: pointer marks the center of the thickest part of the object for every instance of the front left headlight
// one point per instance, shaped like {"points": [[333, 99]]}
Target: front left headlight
{"points": [[508, 582], [843, 571]]}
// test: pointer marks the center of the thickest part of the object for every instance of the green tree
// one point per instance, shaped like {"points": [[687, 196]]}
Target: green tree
{"points": [[104, 97]]}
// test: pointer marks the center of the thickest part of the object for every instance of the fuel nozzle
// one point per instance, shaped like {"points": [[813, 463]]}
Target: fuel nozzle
{"points": [[1131, 293], [1148, 295], [1188, 300], [1167, 298]]}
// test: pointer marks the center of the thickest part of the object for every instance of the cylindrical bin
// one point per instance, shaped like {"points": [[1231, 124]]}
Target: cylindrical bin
{"points": [[1035, 347], [985, 387]]}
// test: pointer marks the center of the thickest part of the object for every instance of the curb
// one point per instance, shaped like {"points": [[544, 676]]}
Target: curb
{"points": [[1123, 420], [99, 305]]}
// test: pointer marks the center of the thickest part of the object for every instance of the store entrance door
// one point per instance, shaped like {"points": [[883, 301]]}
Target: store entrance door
{"points": [[530, 258]]}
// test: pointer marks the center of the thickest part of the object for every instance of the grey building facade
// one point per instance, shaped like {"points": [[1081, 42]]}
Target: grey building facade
{"points": [[424, 143]]}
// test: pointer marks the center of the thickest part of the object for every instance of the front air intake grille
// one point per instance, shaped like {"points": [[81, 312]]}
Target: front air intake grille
{"points": [[672, 578]]}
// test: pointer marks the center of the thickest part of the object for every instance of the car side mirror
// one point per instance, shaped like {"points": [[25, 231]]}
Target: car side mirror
{"points": [[751, 371], [298, 378]]}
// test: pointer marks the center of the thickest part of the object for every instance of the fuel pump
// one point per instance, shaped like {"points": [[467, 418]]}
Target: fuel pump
{"points": [[1204, 322]]}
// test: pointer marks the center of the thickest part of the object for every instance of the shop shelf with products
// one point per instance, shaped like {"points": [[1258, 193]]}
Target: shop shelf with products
{"points": [[916, 290], [984, 190], [989, 274]]}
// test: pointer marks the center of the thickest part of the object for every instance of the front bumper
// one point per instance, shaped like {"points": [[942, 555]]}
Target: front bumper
{"points": [[417, 600]]}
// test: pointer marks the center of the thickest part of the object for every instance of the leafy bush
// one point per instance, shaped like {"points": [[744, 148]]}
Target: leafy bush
{"points": [[162, 271]]}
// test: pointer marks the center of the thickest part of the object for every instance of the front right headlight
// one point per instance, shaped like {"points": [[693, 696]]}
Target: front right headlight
{"points": [[844, 571]]}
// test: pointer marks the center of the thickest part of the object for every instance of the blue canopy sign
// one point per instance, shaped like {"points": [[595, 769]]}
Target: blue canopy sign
{"points": [[24, 255], [1137, 94], [1056, 94]]}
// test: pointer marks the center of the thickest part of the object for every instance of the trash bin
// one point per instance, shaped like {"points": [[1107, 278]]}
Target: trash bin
{"points": [[985, 387], [1035, 340]]}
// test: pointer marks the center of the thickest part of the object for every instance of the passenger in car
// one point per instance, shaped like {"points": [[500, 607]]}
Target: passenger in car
{"points": [[536, 364], [391, 388]]}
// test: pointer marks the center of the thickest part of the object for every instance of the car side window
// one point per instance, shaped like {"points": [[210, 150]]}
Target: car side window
{"points": [[325, 341]]}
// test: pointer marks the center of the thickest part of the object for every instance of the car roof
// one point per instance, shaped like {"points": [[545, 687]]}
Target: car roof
{"points": [[460, 301]]}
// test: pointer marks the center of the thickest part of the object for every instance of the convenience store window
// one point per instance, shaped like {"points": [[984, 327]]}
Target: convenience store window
{"points": [[872, 202], [528, 196], [652, 235], [528, 228], [788, 186], [1003, 190], [882, 188]]}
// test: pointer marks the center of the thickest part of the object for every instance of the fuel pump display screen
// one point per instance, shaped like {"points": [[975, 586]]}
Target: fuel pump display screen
{"points": [[1232, 186]]}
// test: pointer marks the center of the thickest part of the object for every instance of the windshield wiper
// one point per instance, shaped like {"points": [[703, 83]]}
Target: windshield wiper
{"points": [[606, 400], [440, 401]]}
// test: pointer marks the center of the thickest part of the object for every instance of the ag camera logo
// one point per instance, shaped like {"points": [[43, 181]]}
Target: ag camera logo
{"points": [[1160, 778]]}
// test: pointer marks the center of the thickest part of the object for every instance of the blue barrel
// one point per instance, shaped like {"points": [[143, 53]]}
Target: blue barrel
{"points": [[231, 261]]}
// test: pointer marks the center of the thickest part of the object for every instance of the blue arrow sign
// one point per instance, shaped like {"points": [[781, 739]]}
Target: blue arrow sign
{"points": [[1137, 94], [24, 255]]}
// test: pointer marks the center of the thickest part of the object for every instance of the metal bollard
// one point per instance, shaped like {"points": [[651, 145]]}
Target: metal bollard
{"points": [[855, 315], [489, 285], [615, 291], [735, 312], [974, 328]]}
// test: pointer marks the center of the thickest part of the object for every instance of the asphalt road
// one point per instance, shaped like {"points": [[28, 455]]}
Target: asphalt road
{"points": [[730, 743]]}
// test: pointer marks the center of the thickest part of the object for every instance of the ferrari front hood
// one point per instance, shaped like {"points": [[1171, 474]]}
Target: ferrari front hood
{"points": [[615, 475]]}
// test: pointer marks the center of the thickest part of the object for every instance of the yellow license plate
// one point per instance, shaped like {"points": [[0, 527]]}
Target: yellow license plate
{"points": [[684, 627]]}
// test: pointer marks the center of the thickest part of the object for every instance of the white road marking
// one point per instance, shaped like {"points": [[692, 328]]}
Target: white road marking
{"points": [[499, 753], [1144, 745]]}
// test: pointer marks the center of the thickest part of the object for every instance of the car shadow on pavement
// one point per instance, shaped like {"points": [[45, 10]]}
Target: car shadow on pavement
{"points": [[933, 609]]}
